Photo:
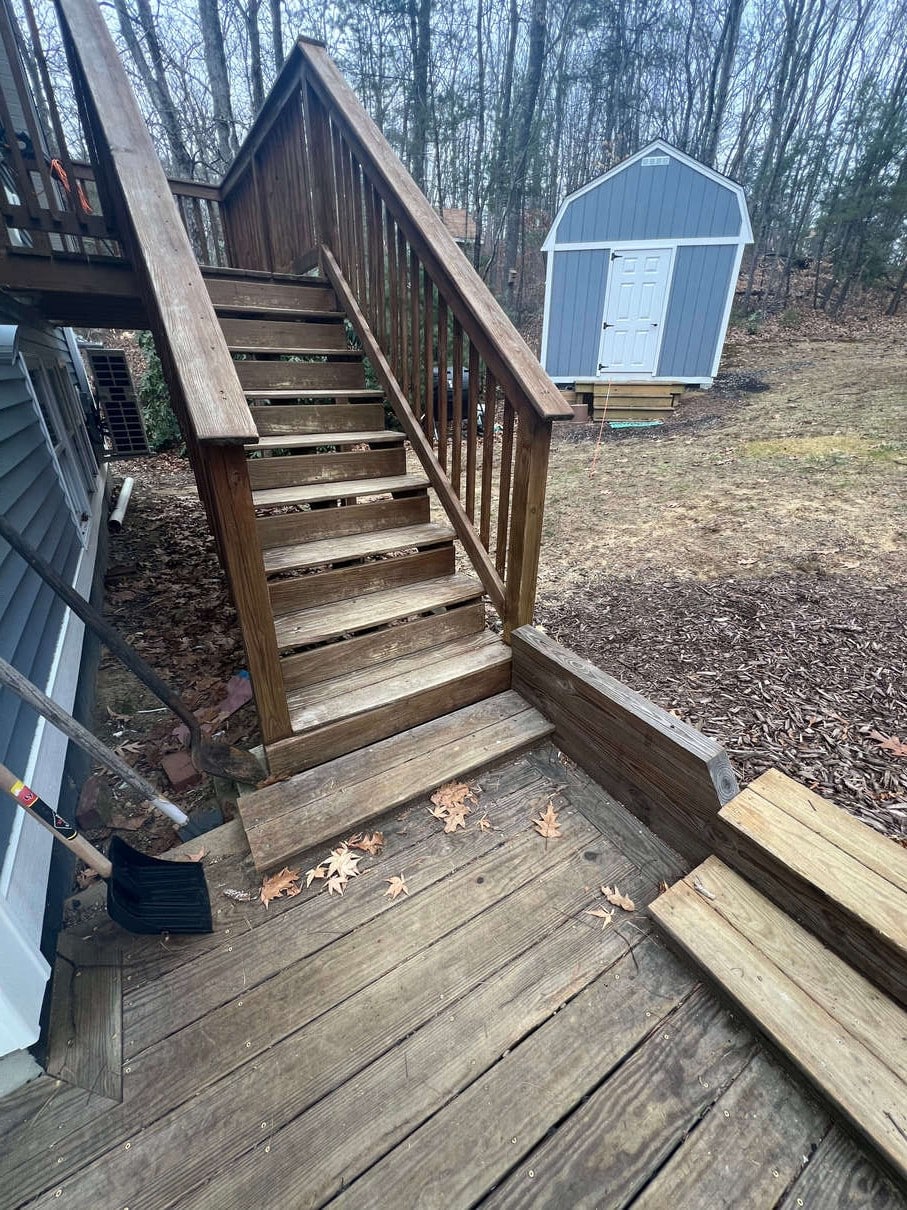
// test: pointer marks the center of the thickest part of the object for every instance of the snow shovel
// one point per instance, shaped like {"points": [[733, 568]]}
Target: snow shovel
{"points": [[144, 894], [13, 679], [208, 756]]}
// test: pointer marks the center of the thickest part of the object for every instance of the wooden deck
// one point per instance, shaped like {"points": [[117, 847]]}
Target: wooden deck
{"points": [[481, 1040]]}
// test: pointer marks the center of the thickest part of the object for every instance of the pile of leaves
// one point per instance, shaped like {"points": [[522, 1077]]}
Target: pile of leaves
{"points": [[805, 673]]}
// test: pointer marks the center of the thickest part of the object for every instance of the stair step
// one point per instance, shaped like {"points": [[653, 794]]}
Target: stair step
{"points": [[367, 688], [296, 419], [355, 790], [354, 546], [339, 658], [297, 470], [300, 376], [846, 1037], [312, 393], [287, 336], [300, 297], [312, 441], [307, 626], [316, 524], [312, 493], [342, 583], [842, 879]]}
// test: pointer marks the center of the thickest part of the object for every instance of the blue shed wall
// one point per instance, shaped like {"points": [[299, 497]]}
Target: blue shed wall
{"points": [[669, 202], [577, 303], [34, 501], [695, 310]]}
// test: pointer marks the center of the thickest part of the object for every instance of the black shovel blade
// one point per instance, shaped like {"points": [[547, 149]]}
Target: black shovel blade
{"points": [[147, 895]]}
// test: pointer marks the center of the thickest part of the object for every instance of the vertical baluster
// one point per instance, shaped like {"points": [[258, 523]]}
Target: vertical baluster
{"points": [[415, 343], [472, 431], [359, 235], [456, 435], [372, 245], [343, 246], [442, 381], [506, 473], [203, 249], [428, 317], [393, 293], [490, 394], [349, 204], [405, 364], [318, 141], [381, 313]]}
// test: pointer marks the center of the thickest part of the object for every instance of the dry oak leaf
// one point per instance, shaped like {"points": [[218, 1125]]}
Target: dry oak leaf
{"points": [[397, 886], [890, 743], [284, 882], [456, 818], [603, 916], [368, 844], [484, 824], [547, 824], [452, 794], [613, 895]]}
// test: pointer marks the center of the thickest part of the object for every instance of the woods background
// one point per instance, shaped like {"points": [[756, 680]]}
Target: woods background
{"points": [[502, 107]]}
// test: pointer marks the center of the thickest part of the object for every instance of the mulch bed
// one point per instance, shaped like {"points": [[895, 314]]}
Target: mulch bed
{"points": [[806, 674]]}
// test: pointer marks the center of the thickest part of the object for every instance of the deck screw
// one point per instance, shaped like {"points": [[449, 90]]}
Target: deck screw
{"points": [[264, 1125], [248, 1046], [126, 1146], [532, 1172], [58, 1193], [727, 1114], [513, 1140], [239, 1003]]}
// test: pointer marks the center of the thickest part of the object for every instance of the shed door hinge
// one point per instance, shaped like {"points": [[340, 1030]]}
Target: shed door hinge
{"points": [[615, 255]]}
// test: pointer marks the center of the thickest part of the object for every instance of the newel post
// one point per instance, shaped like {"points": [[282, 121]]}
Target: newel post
{"points": [[527, 513]]}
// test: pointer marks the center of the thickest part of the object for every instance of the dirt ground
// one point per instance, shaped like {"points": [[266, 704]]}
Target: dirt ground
{"points": [[745, 565]]}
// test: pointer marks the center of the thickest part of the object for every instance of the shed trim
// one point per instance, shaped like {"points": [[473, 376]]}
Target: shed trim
{"points": [[746, 230], [728, 306], [690, 241]]}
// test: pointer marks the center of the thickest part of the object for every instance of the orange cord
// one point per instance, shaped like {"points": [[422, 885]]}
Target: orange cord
{"points": [[57, 170]]}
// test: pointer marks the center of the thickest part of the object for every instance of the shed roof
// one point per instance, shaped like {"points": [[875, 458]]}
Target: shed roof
{"points": [[657, 146]]}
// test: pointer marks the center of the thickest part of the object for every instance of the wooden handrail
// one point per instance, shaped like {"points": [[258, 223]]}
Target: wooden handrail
{"points": [[185, 322], [515, 368]]}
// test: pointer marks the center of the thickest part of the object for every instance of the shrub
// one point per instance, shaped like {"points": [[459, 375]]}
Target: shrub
{"points": [[160, 422]]}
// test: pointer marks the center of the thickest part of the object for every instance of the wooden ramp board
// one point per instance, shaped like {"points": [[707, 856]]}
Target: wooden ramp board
{"points": [[844, 881], [845, 1036], [347, 793]]}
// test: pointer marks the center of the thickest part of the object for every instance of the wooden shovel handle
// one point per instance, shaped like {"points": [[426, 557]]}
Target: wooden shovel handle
{"points": [[110, 637], [64, 831]]}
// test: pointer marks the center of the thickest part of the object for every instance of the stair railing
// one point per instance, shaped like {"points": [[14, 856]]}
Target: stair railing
{"points": [[316, 180], [205, 391]]}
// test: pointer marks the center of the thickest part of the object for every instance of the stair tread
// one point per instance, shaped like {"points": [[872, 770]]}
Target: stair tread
{"points": [[355, 546], [236, 308], [841, 878], [305, 626], [313, 393], [351, 791], [298, 351], [309, 493], [839, 1030], [395, 679], [303, 441]]}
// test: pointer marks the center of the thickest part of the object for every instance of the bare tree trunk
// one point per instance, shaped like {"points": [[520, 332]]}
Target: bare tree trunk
{"points": [[154, 77], [256, 78], [420, 36], [277, 34], [480, 136], [218, 80], [721, 79]]}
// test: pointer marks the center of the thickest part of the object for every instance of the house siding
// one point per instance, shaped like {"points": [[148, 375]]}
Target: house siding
{"points": [[33, 500], [694, 318], [577, 304], [645, 203]]}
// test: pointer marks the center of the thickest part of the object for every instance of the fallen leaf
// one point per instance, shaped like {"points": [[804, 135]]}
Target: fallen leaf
{"points": [[613, 895], [603, 916], [318, 872], [86, 877], [368, 844], [342, 864], [456, 817], [199, 856], [453, 794], [547, 825], [484, 824], [284, 882], [662, 888], [890, 743], [336, 884], [238, 896], [397, 886]]}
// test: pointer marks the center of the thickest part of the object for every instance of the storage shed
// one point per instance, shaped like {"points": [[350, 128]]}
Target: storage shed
{"points": [[642, 265]]}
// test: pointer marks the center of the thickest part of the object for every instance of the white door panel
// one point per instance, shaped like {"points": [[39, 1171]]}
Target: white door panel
{"points": [[634, 310]]}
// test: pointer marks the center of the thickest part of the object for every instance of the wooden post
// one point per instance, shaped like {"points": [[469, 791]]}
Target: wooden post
{"points": [[227, 478], [322, 170], [528, 507]]}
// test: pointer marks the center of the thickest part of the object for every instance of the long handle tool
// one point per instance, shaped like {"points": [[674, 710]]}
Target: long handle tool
{"points": [[223, 760], [144, 894]]}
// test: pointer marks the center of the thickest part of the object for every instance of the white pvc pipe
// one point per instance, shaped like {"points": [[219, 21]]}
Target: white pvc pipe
{"points": [[115, 520]]}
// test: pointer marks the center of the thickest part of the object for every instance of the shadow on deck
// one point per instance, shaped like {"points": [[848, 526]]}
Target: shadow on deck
{"points": [[482, 1040]]}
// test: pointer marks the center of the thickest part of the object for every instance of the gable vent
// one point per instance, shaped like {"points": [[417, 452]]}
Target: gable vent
{"points": [[655, 161]]}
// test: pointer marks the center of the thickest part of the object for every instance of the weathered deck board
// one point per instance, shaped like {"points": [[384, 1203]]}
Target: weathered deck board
{"points": [[325, 1043]]}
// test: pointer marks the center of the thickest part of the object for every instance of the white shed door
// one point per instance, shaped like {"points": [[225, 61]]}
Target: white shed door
{"points": [[634, 310]]}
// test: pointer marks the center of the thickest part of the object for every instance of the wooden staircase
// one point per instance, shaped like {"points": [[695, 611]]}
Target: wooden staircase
{"points": [[378, 633]]}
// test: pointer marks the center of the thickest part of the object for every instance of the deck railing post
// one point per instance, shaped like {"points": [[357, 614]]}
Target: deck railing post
{"points": [[530, 476]]}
